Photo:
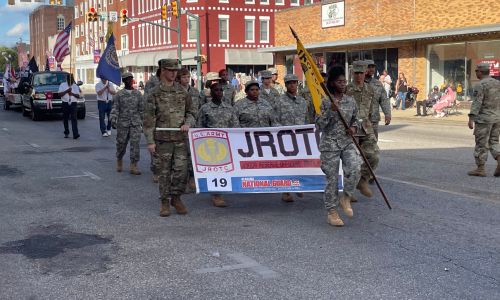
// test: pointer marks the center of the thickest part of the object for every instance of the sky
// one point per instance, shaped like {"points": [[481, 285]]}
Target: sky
{"points": [[14, 22]]}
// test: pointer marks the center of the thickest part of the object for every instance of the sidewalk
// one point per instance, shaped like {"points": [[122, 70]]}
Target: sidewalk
{"points": [[409, 115]]}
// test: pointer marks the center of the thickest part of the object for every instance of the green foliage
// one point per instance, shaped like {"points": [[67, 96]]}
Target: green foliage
{"points": [[13, 57]]}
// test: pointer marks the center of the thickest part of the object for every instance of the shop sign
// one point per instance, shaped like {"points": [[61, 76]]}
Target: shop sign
{"points": [[97, 56], [333, 14], [494, 66]]}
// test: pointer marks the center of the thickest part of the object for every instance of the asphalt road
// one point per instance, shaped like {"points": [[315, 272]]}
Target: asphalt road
{"points": [[73, 228]]}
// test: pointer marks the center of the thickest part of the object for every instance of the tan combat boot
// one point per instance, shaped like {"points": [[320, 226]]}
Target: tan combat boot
{"points": [[497, 171], [345, 203], [155, 178], [191, 183], [134, 170], [353, 199], [165, 208], [178, 205], [364, 188], [480, 171], [334, 218], [218, 201], [286, 197], [119, 165]]}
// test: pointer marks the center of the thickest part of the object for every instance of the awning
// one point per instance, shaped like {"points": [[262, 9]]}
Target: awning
{"points": [[247, 57], [147, 59], [128, 60], [187, 56], [389, 38]]}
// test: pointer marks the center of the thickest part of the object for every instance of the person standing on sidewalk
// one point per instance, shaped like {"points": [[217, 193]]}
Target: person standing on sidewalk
{"points": [[169, 106], [126, 117], [105, 91], [401, 91], [69, 92], [380, 99], [484, 118]]}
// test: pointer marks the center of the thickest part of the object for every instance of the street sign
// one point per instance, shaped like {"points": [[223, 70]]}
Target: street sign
{"points": [[113, 16], [97, 56]]}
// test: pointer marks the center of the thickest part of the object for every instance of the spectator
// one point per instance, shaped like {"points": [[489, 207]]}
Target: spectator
{"points": [[387, 81], [433, 97], [401, 91], [235, 83], [445, 101]]}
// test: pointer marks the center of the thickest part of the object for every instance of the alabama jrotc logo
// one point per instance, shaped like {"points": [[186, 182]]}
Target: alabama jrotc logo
{"points": [[212, 152]]}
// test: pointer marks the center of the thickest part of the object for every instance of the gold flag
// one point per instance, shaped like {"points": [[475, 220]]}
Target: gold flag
{"points": [[311, 71]]}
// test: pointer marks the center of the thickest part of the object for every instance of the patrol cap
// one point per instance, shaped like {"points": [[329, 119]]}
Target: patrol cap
{"points": [[273, 71], [127, 75], [290, 77], [213, 76], [266, 74], [251, 83], [370, 62], [359, 66], [169, 63], [483, 67]]}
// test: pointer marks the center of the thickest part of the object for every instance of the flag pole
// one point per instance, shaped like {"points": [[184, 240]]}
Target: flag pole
{"points": [[346, 125], [71, 51]]}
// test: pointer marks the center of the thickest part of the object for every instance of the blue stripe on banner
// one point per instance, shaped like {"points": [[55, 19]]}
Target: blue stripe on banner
{"points": [[272, 184]]}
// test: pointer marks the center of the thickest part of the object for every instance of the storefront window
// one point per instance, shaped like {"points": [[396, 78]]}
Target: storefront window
{"points": [[447, 66], [335, 59], [289, 64], [481, 52]]}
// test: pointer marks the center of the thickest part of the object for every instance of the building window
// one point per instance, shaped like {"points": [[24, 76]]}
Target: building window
{"points": [[110, 2], [249, 29], [249, 1], [60, 23], [264, 29], [223, 1], [191, 1], [191, 32], [307, 2], [223, 28], [77, 50], [294, 2], [280, 2], [124, 41], [447, 65], [264, 2], [76, 11]]}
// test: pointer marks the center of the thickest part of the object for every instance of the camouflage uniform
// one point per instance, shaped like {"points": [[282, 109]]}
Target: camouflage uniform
{"points": [[367, 140], [212, 115], [195, 97], [151, 84], [291, 110], [277, 86], [127, 116], [169, 107], [336, 144], [229, 92], [485, 111], [379, 100], [270, 97], [311, 113], [255, 113]]}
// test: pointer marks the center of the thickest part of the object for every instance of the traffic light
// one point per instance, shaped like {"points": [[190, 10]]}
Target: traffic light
{"points": [[175, 9], [52, 2], [201, 58], [164, 12], [59, 2], [124, 16], [92, 15]]}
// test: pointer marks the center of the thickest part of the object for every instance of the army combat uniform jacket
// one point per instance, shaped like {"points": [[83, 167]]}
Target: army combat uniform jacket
{"points": [[213, 115], [485, 106], [363, 95], [291, 110], [270, 97], [255, 113], [128, 108], [380, 100]]}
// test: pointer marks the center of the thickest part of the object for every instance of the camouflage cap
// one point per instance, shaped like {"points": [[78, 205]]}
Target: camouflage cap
{"points": [[266, 74], [250, 83], [359, 66], [213, 76], [169, 63], [370, 62], [127, 75], [483, 67], [273, 71], [290, 77]]}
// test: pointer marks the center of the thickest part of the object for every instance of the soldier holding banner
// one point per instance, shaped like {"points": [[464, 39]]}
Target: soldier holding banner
{"points": [[336, 144], [217, 114]]}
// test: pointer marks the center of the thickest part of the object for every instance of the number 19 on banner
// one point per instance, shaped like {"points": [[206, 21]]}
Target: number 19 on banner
{"points": [[219, 184]]}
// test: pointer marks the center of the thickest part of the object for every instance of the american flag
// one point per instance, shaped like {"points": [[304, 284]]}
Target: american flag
{"points": [[91, 42], [61, 48]]}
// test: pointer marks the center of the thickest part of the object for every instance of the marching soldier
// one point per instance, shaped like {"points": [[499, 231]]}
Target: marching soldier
{"points": [[153, 82], [363, 94], [267, 92], [291, 109], [484, 118], [276, 84], [380, 99], [126, 117], [254, 111], [336, 144], [229, 90], [169, 106], [217, 114]]}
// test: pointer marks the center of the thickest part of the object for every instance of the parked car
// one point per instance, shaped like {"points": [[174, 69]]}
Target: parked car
{"points": [[43, 85]]}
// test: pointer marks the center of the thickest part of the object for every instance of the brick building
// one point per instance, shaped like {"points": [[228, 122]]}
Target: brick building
{"points": [[431, 41], [46, 21], [90, 36], [231, 31]]}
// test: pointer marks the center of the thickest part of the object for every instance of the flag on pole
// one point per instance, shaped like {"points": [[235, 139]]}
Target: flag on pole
{"points": [[311, 71], [108, 67], [32, 66], [61, 48]]}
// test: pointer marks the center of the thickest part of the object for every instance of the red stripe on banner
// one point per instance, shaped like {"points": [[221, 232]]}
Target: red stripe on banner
{"points": [[280, 164]]}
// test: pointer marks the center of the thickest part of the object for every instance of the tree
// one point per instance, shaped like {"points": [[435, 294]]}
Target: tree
{"points": [[8, 55]]}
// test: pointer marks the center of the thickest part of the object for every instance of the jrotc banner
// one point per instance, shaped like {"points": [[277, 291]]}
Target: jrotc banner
{"points": [[257, 160]]}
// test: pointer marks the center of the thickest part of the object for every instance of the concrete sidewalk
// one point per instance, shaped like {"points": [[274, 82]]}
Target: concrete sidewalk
{"points": [[409, 114]]}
